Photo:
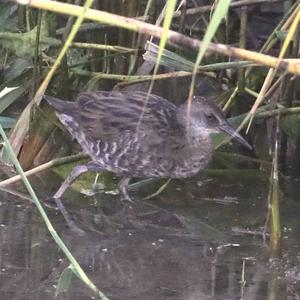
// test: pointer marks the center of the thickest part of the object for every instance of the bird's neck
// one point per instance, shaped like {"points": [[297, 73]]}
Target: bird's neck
{"points": [[196, 139]]}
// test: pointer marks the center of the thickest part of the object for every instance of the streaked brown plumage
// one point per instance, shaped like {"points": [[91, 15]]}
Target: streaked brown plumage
{"points": [[135, 136]]}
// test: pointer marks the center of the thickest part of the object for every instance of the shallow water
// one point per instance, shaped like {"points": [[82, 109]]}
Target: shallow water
{"points": [[199, 239]]}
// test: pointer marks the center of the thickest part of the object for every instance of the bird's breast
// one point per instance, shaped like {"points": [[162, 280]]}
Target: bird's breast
{"points": [[192, 158]]}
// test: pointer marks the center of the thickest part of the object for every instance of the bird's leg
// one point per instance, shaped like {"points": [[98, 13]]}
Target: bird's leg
{"points": [[123, 186], [75, 173]]}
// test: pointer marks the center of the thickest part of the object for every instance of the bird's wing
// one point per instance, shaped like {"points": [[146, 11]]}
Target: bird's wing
{"points": [[109, 115]]}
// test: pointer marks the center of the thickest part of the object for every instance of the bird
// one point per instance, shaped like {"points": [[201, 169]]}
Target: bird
{"points": [[135, 134]]}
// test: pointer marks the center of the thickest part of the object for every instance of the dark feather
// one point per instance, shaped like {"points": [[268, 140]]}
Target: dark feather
{"points": [[59, 105], [107, 115]]}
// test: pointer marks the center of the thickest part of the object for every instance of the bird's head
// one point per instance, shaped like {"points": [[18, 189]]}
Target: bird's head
{"points": [[205, 118]]}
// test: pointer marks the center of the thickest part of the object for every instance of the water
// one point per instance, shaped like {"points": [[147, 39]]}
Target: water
{"points": [[188, 243]]}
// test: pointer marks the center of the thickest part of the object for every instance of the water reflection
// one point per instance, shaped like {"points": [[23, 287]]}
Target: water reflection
{"points": [[177, 246]]}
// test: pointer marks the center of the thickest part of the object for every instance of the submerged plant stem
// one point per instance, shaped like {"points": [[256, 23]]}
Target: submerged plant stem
{"points": [[160, 190], [274, 201]]}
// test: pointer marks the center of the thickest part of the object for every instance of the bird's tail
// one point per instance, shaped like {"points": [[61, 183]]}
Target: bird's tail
{"points": [[59, 105]]}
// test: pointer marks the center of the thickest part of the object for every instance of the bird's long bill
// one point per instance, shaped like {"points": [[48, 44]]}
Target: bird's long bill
{"points": [[232, 132]]}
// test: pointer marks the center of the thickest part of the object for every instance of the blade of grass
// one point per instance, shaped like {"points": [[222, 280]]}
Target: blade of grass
{"points": [[7, 122], [274, 197], [159, 191], [12, 94], [218, 15], [169, 10], [64, 280], [45, 218]]}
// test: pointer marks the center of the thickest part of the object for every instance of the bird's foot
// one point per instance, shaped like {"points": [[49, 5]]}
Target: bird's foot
{"points": [[123, 189], [126, 198], [73, 227]]}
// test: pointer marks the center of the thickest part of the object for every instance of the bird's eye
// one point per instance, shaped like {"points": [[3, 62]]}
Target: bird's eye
{"points": [[210, 117]]}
